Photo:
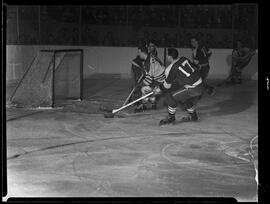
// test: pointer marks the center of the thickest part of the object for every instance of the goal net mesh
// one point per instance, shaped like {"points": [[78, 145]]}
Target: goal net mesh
{"points": [[50, 79]]}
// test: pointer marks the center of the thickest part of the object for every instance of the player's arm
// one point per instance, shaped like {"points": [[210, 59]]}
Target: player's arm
{"points": [[207, 52], [167, 84], [235, 57], [248, 53], [194, 59], [194, 65], [137, 70], [194, 62]]}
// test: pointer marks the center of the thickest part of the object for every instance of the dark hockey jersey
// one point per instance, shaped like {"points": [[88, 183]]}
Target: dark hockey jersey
{"points": [[182, 72], [240, 58], [137, 68], [202, 54]]}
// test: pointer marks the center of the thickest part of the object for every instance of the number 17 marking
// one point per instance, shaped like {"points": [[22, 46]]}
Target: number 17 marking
{"points": [[185, 71]]}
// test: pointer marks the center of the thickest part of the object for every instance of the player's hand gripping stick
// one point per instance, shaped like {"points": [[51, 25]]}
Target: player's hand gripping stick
{"points": [[111, 115]]}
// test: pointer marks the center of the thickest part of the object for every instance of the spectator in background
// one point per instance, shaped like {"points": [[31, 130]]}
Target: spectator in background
{"points": [[165, 41], [140, 17], [146, 37], [210, 41], [64, 36], [155, 38], [24, 39], [163, 17], [203, 18], [108, 39], [51, 39], [94, 40], [159, 17], [113, 16], [200, 35], [133, 36], [184, 16], [187, 39], [121, 15], [225, 42], [172, 40], [101, 16], [153, 17], [75, 36], [86, 35], [181, 40]]}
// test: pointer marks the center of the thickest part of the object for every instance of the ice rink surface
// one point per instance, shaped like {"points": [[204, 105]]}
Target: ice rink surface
{"points": [[73, 151]]}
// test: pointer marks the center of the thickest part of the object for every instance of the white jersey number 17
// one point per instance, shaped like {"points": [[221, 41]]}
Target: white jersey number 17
{"points": [[186, 68]]}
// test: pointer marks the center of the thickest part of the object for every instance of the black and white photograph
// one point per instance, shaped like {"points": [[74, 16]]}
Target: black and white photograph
{"points": [[138, 101]]}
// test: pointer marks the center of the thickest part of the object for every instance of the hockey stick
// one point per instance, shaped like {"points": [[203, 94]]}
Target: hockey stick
{"points": [[111, 114], [134, 88]]}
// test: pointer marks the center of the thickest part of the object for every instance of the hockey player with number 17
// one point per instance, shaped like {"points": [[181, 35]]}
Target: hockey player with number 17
{"points": [[183, 72]]}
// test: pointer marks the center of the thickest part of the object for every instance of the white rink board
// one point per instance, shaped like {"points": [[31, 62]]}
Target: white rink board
{"points": [[116, 60]]}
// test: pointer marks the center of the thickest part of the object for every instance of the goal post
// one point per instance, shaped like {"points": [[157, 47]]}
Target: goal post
{"points": [[53, 77]]}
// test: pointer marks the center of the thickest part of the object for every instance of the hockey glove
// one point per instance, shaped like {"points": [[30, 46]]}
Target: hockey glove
{"points": [[157, 91]]}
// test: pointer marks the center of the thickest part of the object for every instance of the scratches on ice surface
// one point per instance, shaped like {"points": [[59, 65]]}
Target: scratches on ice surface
{"points": [[255, 160], [231, 151]]}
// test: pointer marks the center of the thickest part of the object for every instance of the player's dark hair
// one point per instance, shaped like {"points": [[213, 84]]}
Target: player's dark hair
{"points": [[194, 37], [173, 53], [143, 49], [151, 41]]}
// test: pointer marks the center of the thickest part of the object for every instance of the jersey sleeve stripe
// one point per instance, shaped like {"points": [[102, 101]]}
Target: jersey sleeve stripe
{"points": [[166, 85]]}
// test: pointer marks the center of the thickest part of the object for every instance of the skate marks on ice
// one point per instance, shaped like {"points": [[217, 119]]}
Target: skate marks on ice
{"points": [[152, 165]]}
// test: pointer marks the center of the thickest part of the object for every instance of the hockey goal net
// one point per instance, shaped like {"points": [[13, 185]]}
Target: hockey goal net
{"points": [[52, 77]]}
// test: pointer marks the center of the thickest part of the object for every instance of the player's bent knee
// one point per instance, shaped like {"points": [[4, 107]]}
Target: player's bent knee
{"points": [[170, 101]]}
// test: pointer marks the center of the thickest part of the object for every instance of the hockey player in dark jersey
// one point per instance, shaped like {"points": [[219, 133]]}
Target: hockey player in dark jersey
{"points": [[138, 74], [200, 56], [137, 68], [183, 72], [154, 75], [241, 56]]}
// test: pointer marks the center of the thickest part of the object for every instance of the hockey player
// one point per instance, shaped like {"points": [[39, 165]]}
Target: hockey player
{"points": [[200, 56], [155, 74], [152, 50], [241, 56], [183, 72], [137, 68], [138, 73]]}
